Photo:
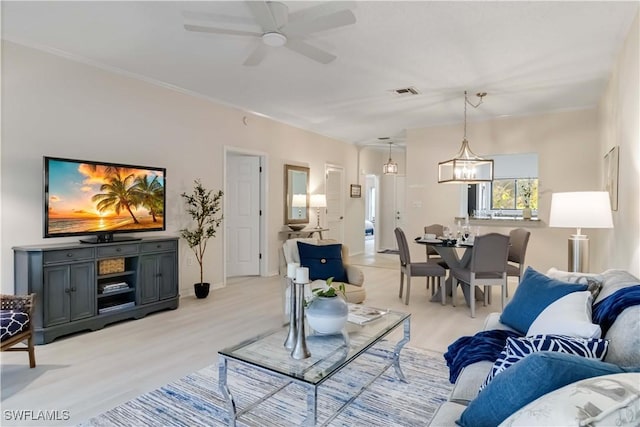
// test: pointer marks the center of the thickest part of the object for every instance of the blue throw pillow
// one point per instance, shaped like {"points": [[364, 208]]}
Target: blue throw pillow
{"points": [[323, 261], [534, 376], [517, 349], [534, 293]]}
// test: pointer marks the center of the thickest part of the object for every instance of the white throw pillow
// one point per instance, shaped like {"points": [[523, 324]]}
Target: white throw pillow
{"points": [[606, 400], [569, 315]]}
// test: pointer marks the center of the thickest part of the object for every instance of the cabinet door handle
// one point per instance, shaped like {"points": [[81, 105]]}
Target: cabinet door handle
{"points": [[118, 249], [69, 254], [67, 290], [73, 289], [158, 246]]}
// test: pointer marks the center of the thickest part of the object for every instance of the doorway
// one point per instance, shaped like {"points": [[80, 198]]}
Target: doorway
{"points": [[243, 207], [371, 213]]}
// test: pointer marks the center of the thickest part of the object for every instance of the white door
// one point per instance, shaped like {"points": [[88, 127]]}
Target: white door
{"points": [[243, 215], [392, 209], [334, 185]]}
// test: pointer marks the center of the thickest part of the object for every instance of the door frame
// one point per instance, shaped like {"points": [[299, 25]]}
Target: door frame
{"points": [[264, 187]]}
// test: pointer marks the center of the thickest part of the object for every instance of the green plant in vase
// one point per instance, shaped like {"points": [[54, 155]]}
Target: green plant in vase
{"points": [[203, 206], [327, 310]]}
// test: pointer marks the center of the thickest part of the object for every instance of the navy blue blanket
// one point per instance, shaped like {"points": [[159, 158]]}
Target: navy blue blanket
{"points": [[606, 311], [485, 345]]}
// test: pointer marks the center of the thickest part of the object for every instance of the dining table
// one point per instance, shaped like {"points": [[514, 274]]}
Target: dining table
{"points": [[450, 251]]}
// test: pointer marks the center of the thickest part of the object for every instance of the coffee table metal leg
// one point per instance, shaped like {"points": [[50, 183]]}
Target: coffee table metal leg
{"points": [[398, 348], [312, 406], [224, 389]]}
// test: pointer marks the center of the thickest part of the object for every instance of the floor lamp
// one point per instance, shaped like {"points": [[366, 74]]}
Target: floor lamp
{"points": [[318, 201], [582, 209]]}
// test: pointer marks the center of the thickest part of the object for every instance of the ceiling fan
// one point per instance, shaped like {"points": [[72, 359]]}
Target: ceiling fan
{"points": [[281, 28]]}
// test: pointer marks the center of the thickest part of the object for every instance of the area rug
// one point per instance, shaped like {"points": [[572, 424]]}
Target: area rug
{"points": [[195, 400]]}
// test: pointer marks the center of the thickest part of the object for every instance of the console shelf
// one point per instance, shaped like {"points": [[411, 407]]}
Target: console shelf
{"points": [[69, 290]]}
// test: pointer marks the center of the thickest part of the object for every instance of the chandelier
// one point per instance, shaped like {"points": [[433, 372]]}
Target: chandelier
{"points": [[391, 167], [466, 167]]}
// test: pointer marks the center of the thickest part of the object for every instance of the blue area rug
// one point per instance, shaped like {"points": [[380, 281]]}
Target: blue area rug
{"points": [[195, 400]]}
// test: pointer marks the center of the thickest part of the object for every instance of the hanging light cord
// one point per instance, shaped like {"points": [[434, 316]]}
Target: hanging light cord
{"points": [[390, 151], [466, 101]]}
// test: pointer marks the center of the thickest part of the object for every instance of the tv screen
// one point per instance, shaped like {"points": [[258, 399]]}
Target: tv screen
{"points": [[98, 198]]}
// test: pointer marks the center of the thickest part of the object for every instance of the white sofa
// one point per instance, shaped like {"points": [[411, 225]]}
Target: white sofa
{"points": [[354, 288], [623, 350]]}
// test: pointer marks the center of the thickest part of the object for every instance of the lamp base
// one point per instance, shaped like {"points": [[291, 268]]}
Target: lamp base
{"points": [[578, 245]]}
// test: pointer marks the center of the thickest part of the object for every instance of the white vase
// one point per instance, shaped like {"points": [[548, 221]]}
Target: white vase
{"points": [[327, 315], [526, 213]]}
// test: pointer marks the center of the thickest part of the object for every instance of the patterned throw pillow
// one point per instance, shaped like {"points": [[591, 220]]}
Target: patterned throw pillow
{"points": [[13, 323], [517, 349]]}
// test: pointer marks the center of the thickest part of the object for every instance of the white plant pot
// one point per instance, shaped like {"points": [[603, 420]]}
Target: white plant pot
{"points": [[327, 315]]}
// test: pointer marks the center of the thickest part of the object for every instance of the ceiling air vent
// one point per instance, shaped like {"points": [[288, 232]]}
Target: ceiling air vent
{"points": [[406, 91]]}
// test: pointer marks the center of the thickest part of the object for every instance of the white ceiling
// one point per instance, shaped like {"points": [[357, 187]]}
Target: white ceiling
{"points": [[531, 57]]}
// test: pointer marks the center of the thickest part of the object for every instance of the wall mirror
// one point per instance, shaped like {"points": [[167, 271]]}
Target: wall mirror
{"points": [[296, 195]]}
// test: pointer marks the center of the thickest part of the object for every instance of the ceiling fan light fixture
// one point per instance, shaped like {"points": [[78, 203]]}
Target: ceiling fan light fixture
{"points": [[274, 39], [466, 167]]}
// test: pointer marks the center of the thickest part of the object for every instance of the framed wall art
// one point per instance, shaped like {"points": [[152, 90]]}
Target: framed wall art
{"points": [[611, 160], [356, 190]]}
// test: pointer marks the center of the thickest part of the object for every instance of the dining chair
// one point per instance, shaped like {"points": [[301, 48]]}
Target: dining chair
{"points": [[432, 255], [488, 267], [518, 241], [415, 269]]}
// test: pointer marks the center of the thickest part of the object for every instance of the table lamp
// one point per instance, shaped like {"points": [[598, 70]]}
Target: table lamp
{"points": [[318, 201], [299, 201], [582, 209]]}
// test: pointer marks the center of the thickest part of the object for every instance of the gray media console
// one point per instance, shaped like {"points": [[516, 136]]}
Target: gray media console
{"points": [[85, 287]]}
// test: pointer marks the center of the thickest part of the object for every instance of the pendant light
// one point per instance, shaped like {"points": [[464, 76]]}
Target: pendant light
{"points": [[466, 167], [391, 167]]}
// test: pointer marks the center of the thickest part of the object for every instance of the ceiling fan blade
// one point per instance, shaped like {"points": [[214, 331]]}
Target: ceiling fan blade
{"points": [[201, 29], [327, 22], [262, 13], [310, 52], [256, 57], [325, 8]]}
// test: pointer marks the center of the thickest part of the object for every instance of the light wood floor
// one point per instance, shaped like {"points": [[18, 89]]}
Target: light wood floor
{"points": [[88, 373]]}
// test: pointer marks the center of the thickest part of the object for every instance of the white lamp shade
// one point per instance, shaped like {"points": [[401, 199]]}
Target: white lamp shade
{"points": [[582, 209], [299, 201], [318, 201]]}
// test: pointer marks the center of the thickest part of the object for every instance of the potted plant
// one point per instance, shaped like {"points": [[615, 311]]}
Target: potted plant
{"points": [[203, 206], [525, 192], [327, 311]]}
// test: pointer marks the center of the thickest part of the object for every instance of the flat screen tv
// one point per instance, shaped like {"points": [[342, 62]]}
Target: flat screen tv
{"points": [[100, 199]]}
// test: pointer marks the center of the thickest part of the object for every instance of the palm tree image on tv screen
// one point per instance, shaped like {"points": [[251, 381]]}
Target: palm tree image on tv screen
{"points": [[87, 198]]}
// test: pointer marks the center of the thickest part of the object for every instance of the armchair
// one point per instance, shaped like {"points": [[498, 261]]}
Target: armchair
{"points": [[354, 286], [16, 313]]}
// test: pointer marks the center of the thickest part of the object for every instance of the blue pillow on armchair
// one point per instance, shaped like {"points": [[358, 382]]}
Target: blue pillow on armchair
{"points": [[534, 293], [323, 261]]}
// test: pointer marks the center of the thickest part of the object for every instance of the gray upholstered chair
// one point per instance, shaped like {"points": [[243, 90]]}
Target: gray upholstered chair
{"points": [[488, 267], [432, 255], [518, 241], [17, 324], [414, 269]]}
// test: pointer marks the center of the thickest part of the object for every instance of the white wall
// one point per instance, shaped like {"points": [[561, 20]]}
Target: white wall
{"points": [[58, 107], [569, 160], [619, 117]]}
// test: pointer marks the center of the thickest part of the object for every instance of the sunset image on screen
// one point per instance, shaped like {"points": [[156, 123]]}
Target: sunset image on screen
{"points": [[85, 197]]}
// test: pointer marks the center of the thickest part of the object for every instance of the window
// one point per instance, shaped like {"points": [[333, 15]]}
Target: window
{"points": [[514, 187], [514, 194]]}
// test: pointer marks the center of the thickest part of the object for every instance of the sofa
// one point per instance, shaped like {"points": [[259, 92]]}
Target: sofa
{"points": [[353, 278], [541, 388]]}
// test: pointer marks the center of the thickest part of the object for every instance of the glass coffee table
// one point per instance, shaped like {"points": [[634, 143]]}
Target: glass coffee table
{"points": [[329, 354]]}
